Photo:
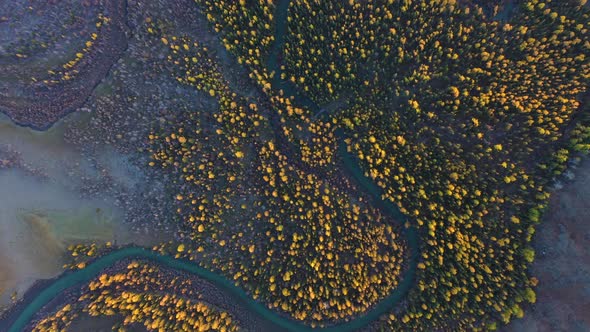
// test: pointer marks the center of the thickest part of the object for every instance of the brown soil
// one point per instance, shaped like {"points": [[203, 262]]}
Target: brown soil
{"points": [[6, 275], [562, 262]]}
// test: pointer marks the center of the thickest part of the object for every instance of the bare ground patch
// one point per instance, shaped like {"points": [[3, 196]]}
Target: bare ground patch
{"points": [[563, 261]]}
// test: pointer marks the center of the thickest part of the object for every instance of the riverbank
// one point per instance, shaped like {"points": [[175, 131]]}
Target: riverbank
{"points": [[61, 190], [562, 263], [375, 312], [460, 264], [350, 164], [39, 102], [195, 289], [21, 315]]}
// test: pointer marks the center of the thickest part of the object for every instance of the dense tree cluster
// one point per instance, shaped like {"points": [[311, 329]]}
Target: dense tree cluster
{"points": [[58, 320], [245, 26], [267, 211], [479, 112], [463, 122], [135, 294]]}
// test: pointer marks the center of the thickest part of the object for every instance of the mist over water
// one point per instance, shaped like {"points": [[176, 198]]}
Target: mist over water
{"points": [[42, 210], [38, 221]]}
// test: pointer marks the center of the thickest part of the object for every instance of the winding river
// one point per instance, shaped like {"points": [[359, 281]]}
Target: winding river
{"points": [[75, 278]]}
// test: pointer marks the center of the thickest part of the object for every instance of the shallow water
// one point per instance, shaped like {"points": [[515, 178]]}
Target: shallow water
{"points": [[38, 221], [41, 209]]}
